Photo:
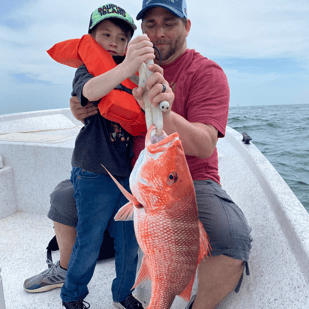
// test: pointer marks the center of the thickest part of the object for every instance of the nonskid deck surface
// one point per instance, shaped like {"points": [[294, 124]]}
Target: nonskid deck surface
{"points": [[23, 239], [280, 228]]}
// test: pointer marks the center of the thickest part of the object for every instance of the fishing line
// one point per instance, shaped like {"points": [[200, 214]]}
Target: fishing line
{"points": [[160, 56]]}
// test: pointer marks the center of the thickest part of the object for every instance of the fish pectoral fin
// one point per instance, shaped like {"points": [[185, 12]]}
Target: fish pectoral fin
{"points": [[143, 274], [125, 213], [204, 243], [128, 195], [186, 293]]}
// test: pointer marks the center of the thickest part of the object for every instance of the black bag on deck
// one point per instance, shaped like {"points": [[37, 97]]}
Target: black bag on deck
{"points": [[107, 250]]}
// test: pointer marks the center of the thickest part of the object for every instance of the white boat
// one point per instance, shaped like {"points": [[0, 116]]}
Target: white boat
{"points": [[35, 155]]}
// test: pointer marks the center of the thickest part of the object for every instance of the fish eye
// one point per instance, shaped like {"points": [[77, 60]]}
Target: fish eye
{"points": [[172, 178]]}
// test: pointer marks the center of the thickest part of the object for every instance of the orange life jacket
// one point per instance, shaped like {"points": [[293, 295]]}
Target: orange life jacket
{"points": [[118, 106]]}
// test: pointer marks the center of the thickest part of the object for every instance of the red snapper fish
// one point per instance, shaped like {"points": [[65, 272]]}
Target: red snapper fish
{"points": [[163, 207]]}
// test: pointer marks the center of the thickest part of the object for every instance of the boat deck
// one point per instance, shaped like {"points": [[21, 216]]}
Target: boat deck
{"points": [[24, 237], [279, 260]]}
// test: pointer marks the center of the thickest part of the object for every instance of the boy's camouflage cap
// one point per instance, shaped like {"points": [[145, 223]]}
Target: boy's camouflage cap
{"points": [[110, 11]]}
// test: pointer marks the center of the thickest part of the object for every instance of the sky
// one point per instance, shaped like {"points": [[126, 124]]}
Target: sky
{"points": [[262, 46]]}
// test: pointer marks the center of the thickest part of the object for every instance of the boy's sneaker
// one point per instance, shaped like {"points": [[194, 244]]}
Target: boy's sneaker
{"points": [[49, 279], [80, 304], [129, 303]]}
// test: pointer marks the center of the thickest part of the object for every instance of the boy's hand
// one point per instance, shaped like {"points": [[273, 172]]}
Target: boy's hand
{"points": [[139, 50], [82, 112], [155, 94]]}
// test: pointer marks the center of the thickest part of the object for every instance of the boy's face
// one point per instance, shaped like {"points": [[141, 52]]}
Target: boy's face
{"points": [[111, 38]]}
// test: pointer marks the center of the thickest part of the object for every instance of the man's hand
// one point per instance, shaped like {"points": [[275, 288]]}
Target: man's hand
{"points": [[80, 112], [155, 88]]}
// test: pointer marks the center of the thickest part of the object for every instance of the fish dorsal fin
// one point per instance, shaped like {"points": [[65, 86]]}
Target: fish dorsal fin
{"points": [[128, 195], [125, 213], [186, 293], [143, 274], [204, 243]]}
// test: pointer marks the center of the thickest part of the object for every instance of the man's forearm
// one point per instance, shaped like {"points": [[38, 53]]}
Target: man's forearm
{"points": [[198, 139]]}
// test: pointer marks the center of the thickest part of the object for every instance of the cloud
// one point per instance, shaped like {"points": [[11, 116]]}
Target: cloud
{"points": [[23, 49], [251, 29], [221, 30]]}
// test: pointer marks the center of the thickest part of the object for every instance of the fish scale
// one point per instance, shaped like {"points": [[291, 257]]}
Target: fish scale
{"points": [[178, 244], [163, 207]]}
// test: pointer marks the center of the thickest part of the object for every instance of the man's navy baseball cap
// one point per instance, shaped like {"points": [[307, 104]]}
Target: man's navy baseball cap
{"points": [[177, 7]]}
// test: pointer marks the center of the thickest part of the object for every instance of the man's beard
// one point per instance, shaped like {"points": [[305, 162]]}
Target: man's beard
{"points": [[169, 50]]}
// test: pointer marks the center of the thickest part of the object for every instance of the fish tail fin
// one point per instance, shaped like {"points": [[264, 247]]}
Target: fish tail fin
{"points": [[143, 274], [125, 213], [204, 243], [186, 293]]}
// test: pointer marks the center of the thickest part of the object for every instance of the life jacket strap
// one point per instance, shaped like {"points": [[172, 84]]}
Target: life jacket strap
{"points": [[123, 88]]}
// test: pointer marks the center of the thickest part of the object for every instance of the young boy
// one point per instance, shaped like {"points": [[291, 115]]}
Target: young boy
{"points": [[97, 197]]}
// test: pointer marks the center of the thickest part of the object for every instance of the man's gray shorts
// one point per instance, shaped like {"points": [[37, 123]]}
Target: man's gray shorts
{"points": [[223, 220], [62, 204]]}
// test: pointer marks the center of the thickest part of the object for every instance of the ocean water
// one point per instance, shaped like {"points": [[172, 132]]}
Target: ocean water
{"points": [[281, 133]]}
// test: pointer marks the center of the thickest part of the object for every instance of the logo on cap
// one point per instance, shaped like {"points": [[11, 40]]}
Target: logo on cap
{"points": [[111, 9]]}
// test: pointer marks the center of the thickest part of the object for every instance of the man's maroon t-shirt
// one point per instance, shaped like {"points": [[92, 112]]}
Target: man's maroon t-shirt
{"points": [[201, 95]]}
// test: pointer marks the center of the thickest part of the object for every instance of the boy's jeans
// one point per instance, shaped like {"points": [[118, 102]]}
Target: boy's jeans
{"points": [[97, 201]]}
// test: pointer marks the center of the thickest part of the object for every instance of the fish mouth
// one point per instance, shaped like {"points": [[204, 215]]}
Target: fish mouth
{"points": [[153, 138], [157, 145]]}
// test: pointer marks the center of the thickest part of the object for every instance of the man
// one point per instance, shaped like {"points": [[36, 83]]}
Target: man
{"points": [[199, 114]]}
